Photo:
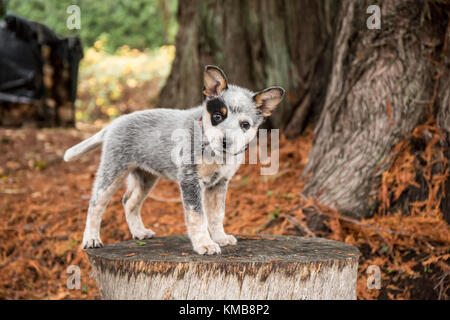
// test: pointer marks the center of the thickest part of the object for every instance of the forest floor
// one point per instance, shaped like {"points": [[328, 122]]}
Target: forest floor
{"points": [[43, 205]]}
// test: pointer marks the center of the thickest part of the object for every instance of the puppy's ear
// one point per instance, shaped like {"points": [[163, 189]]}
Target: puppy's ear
{"points": [[214, 81], [268, 99]]}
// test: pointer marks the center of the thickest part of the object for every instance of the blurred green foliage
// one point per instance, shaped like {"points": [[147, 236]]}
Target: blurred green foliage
{"points": [[128, 80], [137, 23], [2, 9]]}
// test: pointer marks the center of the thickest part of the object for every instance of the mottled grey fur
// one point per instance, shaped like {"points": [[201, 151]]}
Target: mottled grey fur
{"points": [[141, 146]]}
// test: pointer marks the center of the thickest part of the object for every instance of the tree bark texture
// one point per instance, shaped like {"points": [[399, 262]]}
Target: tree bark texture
{"points": [[258, 44], [383, 84], [258, 267]]}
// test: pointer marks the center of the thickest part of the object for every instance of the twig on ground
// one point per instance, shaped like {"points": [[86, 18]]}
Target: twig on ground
{"points": [[12, 191], [266, 224], [348, 219], [440, 284], [298, 224], [378, 230]]}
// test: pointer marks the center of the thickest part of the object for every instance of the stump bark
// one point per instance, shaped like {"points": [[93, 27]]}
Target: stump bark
{"points": [[259, 267]]}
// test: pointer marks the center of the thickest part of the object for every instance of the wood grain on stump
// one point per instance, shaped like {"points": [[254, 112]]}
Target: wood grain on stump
{"points": [[258, 267]]}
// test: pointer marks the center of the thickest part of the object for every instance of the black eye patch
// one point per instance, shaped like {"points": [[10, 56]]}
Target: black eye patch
{"points": [[217, 110]]}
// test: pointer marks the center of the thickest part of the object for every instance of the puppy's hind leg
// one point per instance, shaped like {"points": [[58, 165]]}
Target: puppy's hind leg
{"points": [[106, 184], [139, 185]]}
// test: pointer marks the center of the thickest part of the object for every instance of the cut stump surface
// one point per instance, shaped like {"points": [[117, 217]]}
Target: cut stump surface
{"points": [[258, 267]]}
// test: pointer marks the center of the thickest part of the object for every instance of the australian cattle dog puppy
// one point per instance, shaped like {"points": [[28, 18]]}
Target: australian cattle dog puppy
{"points": [[199, 148]]}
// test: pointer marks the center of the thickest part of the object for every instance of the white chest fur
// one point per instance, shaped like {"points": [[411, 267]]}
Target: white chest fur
{"points": [[211, 173]]}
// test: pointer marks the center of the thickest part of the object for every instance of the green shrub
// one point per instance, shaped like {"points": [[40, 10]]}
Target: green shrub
{"points": [[137, 23], [113, 84]]}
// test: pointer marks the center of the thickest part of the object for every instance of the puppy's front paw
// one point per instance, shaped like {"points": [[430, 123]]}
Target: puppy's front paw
{"points": [[92, 243], [225, 240], [143, 234], [207, 248]]}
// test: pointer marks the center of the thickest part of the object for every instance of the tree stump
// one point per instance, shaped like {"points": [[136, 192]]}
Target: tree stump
{"points": [[258, 267]]}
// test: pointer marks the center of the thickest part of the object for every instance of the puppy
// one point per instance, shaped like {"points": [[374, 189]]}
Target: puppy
{"points": [[199, 148]]}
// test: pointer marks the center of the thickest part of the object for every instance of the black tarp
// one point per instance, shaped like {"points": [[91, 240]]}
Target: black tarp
{"points": [[21, 61]]}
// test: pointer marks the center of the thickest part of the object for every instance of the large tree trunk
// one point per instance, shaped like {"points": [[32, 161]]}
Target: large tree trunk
{"points": [[258, 44], [383, 84]]}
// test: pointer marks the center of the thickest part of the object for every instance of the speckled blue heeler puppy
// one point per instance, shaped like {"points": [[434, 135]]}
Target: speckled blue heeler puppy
{"points": [[141, 147]]}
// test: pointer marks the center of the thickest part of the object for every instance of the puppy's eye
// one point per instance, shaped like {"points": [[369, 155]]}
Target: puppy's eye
{"points": [[217, 117], [245, 125]]}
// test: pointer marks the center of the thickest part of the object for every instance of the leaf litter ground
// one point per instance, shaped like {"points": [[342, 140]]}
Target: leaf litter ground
{"points": [[43, 205]]}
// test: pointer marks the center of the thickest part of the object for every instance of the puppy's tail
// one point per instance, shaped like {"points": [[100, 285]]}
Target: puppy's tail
{"points": [[85, 146]]}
